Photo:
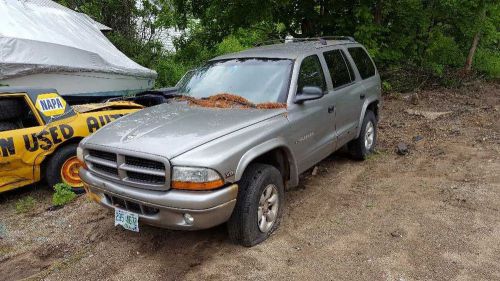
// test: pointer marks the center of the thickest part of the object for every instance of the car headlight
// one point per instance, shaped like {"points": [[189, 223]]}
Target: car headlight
{"points": [[192, 178]]}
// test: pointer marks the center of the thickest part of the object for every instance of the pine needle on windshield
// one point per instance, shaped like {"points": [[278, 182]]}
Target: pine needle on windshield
{"points": [[227, 100]]}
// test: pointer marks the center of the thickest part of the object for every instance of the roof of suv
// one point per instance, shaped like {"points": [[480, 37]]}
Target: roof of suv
{"points": [[290, 50]]}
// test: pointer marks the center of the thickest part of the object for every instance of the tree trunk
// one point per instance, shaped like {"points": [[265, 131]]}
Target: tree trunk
{"points": [[475, 41], [472, 51], [377, 13]]}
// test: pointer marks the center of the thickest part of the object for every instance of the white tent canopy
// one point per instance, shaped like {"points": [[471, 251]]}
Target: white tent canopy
{"points": [[41, 36]]}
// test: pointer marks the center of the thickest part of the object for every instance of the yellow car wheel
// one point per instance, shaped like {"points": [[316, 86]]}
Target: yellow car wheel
{"points": [[69, 172], [63, 167]]}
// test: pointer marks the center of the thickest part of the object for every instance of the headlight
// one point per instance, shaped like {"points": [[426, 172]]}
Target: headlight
{"points": [[191, 178]]}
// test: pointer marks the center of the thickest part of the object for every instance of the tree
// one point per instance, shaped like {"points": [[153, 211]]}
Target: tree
{"points": [[431, 37]]}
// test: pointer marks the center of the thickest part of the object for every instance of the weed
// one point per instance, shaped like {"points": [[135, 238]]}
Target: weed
{"points": [[376, 154], [63, 194], [4, 250], [386, 87], [25, 205]]}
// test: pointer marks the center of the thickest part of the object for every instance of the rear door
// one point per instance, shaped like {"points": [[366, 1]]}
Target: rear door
{"points": [[368, 76], [346, 93]]}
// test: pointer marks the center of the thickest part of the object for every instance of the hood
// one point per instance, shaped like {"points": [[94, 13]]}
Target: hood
{"points": [[171, 129]]}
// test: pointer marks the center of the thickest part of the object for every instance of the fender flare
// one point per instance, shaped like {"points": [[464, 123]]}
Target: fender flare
{"points": [[263, 148], [363, 112]]}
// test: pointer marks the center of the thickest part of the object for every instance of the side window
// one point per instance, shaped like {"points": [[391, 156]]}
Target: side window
{"points": [[15, 113], [338, 66], [311, 74], [363, 62]]}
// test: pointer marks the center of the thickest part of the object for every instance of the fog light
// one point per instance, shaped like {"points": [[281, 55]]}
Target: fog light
{"points": [[188, 219]]}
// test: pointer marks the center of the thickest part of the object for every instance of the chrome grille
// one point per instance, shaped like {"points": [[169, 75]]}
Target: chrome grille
{"points": [[130, 169], [146, 178], [145, 163], [106, 169], [103, 155]]}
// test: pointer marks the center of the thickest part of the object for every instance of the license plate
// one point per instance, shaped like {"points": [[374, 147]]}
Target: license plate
{"points": [[127, 219]]}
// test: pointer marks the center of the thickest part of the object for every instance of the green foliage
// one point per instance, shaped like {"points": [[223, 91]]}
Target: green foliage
{"points": [[386, 86], [488, 62], [229, 44], [432, 38], [25, 205], [442, 51], [63, 194]]}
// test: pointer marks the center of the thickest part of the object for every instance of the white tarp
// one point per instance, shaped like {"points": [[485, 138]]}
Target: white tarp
{"points": [[41, 36]]}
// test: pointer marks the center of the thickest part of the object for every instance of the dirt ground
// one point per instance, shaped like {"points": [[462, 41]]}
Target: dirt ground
{"points": [[433, 214]]}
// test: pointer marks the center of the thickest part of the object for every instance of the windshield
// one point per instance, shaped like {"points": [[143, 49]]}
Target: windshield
{"points": [[257, 80]]}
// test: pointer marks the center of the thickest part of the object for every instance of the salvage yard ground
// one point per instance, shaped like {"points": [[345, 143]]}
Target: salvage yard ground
{"points": [[433, 214]]}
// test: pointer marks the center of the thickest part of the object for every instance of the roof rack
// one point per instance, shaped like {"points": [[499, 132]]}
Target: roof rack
{"points": [[321, 40]]}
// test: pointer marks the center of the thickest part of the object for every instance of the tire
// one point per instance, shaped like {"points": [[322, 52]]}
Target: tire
{"points": [[359, 148], [10, 109], [60, 160], [7, 126], [243, 226]]}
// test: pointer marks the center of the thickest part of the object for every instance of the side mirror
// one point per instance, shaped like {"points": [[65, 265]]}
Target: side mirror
{"points": [[309, 93]]}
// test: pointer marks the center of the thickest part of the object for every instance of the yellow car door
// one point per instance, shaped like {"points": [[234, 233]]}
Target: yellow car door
{"points": [[19, 125]]}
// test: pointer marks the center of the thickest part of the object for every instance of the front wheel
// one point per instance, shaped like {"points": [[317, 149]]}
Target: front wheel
{"points": [[63, 168], [364, 145], [259, 206]]}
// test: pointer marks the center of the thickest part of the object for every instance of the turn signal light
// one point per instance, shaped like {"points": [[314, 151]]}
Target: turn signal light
{"points": [[197, 185]]}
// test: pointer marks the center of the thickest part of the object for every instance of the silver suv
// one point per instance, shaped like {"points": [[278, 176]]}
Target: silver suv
{"points": [[181, 165]]}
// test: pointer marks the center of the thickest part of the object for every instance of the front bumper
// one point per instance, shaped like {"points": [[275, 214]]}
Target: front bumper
{"points": [[164, 208]]}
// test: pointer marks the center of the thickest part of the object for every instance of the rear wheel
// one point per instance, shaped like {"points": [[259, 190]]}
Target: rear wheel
{"points": [[364, 145], [259, 206], [63, 168]]}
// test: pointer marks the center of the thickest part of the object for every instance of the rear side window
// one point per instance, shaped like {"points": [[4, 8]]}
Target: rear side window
{"points": [[339, 68], [311, 74], [363, 62], [16, 114]]}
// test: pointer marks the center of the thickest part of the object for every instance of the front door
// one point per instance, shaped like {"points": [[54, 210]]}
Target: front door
{"points": [[18, 128], [312, 131]]}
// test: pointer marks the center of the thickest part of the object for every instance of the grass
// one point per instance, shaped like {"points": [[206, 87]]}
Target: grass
{"points": [[25, 205], [63, 194], [376, 154], [4, 250]]}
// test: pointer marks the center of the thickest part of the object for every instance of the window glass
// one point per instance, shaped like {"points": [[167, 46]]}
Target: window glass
{"points": [[363, 62], [257, 79], [18, 114], [338, 68], [311, 74]]}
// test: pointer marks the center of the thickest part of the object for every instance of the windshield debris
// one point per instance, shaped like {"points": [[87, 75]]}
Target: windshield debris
{"points": [[227, 100]]}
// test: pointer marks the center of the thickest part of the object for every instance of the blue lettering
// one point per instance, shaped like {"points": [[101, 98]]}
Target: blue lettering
{"points": [[59, 104], [44, 105]]}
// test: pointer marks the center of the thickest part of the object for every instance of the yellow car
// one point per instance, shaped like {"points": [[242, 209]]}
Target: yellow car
{"points": [[39, 133]]}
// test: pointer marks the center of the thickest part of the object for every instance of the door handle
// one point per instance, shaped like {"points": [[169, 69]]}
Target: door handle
{"points": [[362, 96], [331, 109]]}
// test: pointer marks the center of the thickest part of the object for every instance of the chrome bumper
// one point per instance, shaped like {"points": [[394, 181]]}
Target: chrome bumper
{"points": [[165, 208]]}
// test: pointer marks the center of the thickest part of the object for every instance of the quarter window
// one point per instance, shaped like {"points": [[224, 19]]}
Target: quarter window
{"points": [[17, 114], [338, 66], [311, 74], [363, 62]]}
